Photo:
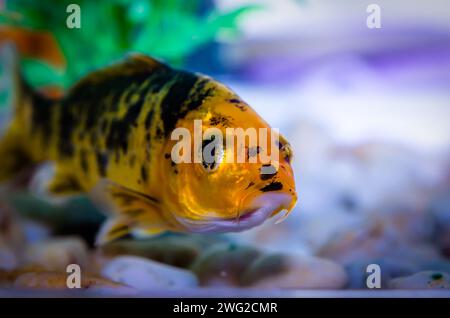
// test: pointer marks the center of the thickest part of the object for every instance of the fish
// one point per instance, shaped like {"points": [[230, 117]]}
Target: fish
{"points": [[110, 137]]}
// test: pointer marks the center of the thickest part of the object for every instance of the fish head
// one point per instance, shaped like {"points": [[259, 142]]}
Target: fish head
{"points": [[227, 184]]}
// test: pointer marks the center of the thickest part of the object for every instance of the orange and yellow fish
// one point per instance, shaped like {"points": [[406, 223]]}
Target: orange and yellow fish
{"points": [[110, 137]]}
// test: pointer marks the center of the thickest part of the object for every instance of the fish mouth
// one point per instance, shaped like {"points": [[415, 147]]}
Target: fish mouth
{"points": [[261, 209]]}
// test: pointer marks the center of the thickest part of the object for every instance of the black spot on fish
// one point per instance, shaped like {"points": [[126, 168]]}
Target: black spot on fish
{"points": [[241, 107], [219, 120], [94, 114], [238, 103], [288, 158], [121, 128], [159, 133], [250, 185], [104, 126], [167, 155], [83, 161], [118, 135], [102, 163], [148, 124], [149, 119], [67, 123], [198, 95], [150, 198], [41, 114], [267, 172], [285, 150], [131, 94], [94, 138], [183, 92], [144, 174], [273, 186], [279, 144], [99, 95], [160, 79]]}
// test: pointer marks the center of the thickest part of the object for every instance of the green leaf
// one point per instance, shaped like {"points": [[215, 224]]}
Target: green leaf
{"points": [[167, 29], [41, 74]]}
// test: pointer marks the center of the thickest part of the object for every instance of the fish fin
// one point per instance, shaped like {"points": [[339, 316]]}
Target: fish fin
{"points": [[111, 230], [140, 212], [139, 59], [133, 64]]}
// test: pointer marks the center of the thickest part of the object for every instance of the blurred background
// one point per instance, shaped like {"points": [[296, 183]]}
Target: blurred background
{"points": [[367, 111]]}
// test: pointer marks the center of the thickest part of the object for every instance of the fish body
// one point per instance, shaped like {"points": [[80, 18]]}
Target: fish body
{"points": [[111, 137]]}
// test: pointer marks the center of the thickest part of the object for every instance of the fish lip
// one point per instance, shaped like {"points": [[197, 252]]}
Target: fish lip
{"points": [[263, 209], [224, 225], [254, 217]]}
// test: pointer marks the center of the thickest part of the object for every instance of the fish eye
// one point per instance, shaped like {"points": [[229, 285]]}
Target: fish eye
{"points": [[212, 153]]}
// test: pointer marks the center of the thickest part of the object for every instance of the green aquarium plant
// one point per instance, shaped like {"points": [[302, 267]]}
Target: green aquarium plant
{"points": [[167, 29]]}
